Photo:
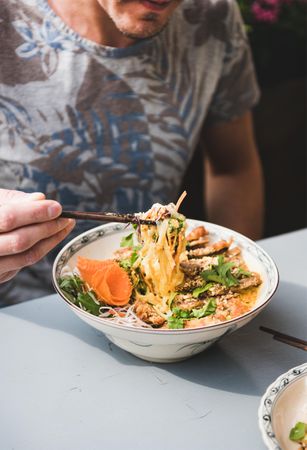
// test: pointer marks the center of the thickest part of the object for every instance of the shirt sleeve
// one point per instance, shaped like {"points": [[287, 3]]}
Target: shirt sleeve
{"points": [[237, 89]]}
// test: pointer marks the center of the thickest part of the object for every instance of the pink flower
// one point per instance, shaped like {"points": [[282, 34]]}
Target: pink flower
{"points": [[266, 10]]}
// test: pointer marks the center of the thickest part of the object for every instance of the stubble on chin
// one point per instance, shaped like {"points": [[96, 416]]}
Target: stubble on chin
{"points": [[139, 36], [148, 26]]}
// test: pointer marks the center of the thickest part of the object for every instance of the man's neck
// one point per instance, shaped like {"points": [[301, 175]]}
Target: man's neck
{"points": [[90, 21]]}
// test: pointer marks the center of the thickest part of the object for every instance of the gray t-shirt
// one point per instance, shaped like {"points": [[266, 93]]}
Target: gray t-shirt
{"points": [[100, 128]]}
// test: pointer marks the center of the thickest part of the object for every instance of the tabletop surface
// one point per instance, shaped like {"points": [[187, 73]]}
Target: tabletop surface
{"points": [[64, 386]]}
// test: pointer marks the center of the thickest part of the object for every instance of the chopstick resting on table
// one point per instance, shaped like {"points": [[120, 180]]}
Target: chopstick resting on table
{"points": [[107, 217], [285, 338]]}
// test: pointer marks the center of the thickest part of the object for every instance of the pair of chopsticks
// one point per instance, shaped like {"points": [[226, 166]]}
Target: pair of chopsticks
{"points": [[285, 338], [107, 217]]}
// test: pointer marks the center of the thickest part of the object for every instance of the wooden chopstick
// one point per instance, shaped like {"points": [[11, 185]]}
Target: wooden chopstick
{"points": [[286, 338], [106, 217], [290, 342]]}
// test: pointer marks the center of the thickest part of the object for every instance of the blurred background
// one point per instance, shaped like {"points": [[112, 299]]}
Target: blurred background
{"points": [[277, 35]]}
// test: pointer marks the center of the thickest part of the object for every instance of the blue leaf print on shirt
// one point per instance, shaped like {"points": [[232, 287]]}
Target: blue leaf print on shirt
{"points": [[43, 41], [14, 121]]}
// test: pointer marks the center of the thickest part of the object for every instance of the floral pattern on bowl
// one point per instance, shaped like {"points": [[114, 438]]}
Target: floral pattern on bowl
{"points": [[283, 404]]}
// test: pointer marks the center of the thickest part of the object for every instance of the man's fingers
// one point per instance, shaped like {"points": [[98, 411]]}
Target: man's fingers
{"points": [[20, 240], [11, 196], [34, 196], [28, 229], [35, 253], [14, 216], [8, 275]]}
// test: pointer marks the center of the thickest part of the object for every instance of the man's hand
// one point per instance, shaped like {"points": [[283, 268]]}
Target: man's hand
{"points": [[29, 229]]}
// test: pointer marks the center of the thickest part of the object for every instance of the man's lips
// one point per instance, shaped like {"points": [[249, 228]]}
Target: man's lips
{"points": [[161, 2], [156, 5]]}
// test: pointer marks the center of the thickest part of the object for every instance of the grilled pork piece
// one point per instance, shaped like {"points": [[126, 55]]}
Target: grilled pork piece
{"points": [[192, 266], [234, 251], [187, 302], [148, 314], [231, 305], [190, 284], [197, 233], [198, 243], [212, 249], [247, 282]]}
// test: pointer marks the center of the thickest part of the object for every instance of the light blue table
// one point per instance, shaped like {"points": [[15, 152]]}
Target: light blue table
{"points": [[63, 386]]}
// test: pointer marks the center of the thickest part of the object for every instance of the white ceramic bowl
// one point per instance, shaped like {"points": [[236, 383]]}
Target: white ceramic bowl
{"points": [[164, 345], [282, 406]]}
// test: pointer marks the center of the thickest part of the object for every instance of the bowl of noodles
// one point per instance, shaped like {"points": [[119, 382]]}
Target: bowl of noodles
{"points": [[168, 291]]}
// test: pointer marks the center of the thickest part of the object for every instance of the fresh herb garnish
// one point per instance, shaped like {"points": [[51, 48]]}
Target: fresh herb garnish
{"points": [[77, 292], [200, 290], [176, 320], [206, 310], [182, 313], [175, 225], [221, 273], [127, 241], [127, 263], [242, 273], [297, 433]]}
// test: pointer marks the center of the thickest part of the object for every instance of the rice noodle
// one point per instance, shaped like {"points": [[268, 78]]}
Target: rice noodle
{"points": [[158, 262], [159, 259], [180, 200], [122, 316]]}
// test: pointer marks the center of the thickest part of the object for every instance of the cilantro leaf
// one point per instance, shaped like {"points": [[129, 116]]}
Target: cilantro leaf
{"points": [[127, 263], [182, 313], [127, 241], [86, 300], [206, 310], [297, 433], [221, 273], [77, 292], [175, 322], [200, 290], [244, 273]]}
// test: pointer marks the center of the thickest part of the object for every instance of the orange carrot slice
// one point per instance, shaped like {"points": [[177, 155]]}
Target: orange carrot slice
{"points": [[110, 282], [112, 285], [88, 267]]}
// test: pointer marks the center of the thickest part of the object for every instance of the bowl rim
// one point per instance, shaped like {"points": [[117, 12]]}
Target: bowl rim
{"points": [[156, 331], [269, 399]]}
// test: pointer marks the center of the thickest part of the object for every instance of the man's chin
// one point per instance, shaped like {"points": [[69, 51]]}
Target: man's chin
{"points": [[139, 35]]}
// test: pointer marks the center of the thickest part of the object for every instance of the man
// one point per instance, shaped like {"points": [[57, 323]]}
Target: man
{"points": [[102, 103]]}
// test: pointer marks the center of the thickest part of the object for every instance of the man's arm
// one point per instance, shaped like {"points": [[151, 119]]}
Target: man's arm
{"points": [[234, 191]]}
